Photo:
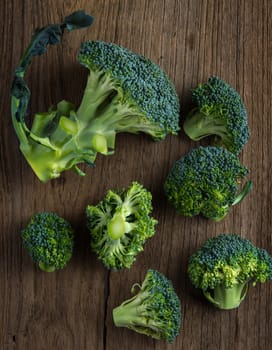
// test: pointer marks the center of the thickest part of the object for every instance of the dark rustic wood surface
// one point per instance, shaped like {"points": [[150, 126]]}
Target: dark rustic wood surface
{"points": [[190, 39]]}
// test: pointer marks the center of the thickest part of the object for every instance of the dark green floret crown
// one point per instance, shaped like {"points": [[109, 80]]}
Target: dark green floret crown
{"points": [[142, 81], [120, 224], [49, 240], [205, 181], [221, 112], [228, 259], [154, 311]]}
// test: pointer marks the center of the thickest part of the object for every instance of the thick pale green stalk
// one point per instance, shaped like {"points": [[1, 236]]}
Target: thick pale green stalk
{"points": [[198, 125], [227, 298], [46, 268]]}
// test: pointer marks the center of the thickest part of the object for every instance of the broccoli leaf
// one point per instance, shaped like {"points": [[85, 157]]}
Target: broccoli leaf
{"points": [[49, 35]]}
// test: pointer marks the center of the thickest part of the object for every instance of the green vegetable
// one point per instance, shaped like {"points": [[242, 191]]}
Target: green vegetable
{"points": [[49, 240], [125, 92], [225, 266], [219, 111], [154, 311], [205, 181], [120, 224]]}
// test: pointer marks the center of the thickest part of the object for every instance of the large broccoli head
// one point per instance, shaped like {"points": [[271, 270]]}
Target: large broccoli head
{"points": [[120, 225], [49, 240], [154, 310], [225, 265], [125, 92], [131, 92], [205, 182], [219, 111]]}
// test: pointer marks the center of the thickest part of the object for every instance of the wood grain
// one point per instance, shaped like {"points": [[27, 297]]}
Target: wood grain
{"points": [[190, 39]]}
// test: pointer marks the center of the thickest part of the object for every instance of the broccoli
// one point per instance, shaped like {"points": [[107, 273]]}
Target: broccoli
{"points": [[220, 112], [205, 181], [49, 240], [120, 224], [125, 92], [224, 267], [154, 311]]}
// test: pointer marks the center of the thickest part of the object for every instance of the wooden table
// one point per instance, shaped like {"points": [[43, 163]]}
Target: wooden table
{"points": [[191, 40]]}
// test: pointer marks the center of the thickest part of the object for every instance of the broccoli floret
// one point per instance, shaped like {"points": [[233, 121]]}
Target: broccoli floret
{"points": [[120, 224], [49, 240], [125, 92], [219, 111], [225, 266], [205, 181], [154, 311]]}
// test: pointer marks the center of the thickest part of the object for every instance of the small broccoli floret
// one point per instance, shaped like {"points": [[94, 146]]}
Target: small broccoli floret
{"points": [[125, 92], [219, 111], [49, 240], [205, 181], [225, 266], [154, 311], [120, 224]]}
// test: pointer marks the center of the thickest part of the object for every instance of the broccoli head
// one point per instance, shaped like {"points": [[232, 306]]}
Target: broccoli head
{"points": [[224, 267], [219, 111], [120, 224], [154, 310], [125, 92], [49, 240], [205, 181]]}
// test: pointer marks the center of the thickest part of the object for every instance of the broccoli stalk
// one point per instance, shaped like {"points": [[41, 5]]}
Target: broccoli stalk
{"points": [[107, 112], [203, 122], [225, 266], [154, 311], [130, 313], [120, 224], [227, 298], [125, 92]]}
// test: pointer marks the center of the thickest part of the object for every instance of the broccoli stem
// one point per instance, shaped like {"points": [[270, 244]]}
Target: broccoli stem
{"points": [[48, 163], [46, 268], [130, 313], [200, 124], [106, 110], [116, 226], [227, 298]]}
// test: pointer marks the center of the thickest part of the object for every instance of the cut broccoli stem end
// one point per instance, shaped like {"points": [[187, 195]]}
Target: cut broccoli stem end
{"points": [[48, 164], [127, 315], [116, 227], [227, 298], [200, 124], [133, 314], [99, 144], [46, 268]]}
